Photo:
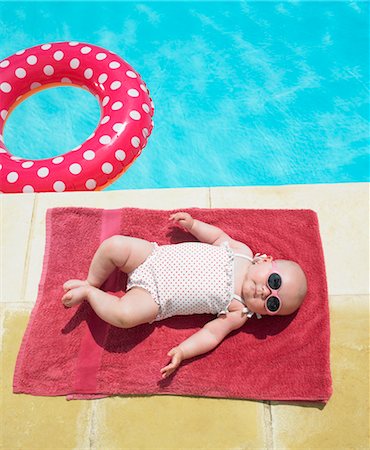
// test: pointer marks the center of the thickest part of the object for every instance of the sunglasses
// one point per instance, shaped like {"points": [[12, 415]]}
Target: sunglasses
{"points": [[273, 302]]}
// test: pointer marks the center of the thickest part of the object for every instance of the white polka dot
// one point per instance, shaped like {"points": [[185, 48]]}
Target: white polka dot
{"points": [[27, 164], [103, 78], [119, 127], [117, 105], [88, 74], [105, 100], [32, 60], [135, 115], [4, 64], [143, 87], [105, 119], [90, 184], [85, 50], [133, 93], [12, 177], [145, 107], [3, 114], [145, 132], [15, 158], [1, 166], [59, 186], [135, 142], [74, 63], [35, 85], [75, 168], [101, 56], [46, 47], [49, 70], [120, 155], [73, 43], [131, 74], [114, 65], [43, 172], [58, 56], [66, 80], [57, 160], [20, 73], [107, 168], [115, 85], [5, 87], [105, 140], [28, 189], [20, 52], [89, 155]]}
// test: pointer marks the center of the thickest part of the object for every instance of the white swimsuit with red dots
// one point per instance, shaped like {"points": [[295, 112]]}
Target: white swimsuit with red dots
{"points": [[189, 278]]}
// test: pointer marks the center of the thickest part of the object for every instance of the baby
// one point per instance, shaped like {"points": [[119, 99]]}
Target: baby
{"points": [[217, 275]]}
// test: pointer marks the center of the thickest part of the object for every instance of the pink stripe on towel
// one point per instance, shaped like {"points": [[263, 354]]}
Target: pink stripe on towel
{"points": [[92, 343], [71, 352]]}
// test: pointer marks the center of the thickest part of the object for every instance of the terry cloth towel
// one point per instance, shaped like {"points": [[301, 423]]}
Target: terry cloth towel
{"points": [[73, 352]]}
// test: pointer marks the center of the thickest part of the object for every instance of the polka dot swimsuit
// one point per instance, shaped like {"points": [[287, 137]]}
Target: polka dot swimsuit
{"points": [[187, 278]]}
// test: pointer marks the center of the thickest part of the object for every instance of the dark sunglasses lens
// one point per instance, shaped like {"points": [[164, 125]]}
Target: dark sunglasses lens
{"points": [[274, 281], [273, 304]]}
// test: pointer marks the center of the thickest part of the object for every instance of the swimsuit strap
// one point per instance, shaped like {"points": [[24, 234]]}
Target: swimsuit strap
{"points": [[256, 258], [246, 310], [244, 256], [237, 297]]}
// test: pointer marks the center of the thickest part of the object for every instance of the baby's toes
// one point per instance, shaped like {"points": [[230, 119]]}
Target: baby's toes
{"points": [[74, 296], [71, 284], [66, 298]]}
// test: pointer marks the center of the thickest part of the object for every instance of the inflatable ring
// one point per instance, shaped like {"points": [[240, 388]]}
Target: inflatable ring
{"points": [[124, 127]]}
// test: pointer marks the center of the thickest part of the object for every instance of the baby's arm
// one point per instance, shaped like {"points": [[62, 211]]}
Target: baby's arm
{"points": [[204, 232], [204, 340]]}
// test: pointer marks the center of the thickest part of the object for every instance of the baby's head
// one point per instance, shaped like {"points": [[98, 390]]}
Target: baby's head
{"points": [[274, 287]]}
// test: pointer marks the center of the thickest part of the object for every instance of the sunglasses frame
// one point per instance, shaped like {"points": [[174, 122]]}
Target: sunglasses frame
{"points": [[274, 292]]}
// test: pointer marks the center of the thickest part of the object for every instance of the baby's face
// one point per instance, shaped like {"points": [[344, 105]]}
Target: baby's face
{"points": [[255, 289]]}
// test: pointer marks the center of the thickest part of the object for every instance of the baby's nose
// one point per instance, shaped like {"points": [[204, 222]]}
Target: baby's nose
{"points": [[265, 291], [261, 291]]}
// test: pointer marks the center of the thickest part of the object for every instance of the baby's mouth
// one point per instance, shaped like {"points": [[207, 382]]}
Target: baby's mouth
{"points": [[252, 291]]}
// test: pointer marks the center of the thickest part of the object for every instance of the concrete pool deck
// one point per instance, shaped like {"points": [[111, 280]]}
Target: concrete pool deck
{"points": [[186, 422]]}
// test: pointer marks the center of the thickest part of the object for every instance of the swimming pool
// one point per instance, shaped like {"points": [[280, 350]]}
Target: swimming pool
{"points": [[245, 92]]}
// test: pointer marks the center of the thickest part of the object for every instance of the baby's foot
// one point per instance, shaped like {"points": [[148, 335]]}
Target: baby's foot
{"points": [[72, 284], [75, 296]]}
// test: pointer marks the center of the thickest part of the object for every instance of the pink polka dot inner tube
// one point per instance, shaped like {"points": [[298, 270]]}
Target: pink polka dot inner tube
{"points": [[123, 130]]}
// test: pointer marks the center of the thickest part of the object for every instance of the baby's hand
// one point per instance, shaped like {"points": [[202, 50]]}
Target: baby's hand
{"points": [[177, 357], [184, 219]]}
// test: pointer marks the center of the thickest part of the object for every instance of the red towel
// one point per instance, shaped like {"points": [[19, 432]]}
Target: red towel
{"points": [[72, 352]]}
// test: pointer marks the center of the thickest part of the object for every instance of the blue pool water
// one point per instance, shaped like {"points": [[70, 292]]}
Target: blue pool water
{"points": [[246, 93]]}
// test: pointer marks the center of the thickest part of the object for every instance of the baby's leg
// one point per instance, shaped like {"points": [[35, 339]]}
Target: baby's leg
{"points": [[134, 308], [123, 252]]}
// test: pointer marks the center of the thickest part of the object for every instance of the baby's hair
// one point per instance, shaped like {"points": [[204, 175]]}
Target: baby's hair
{"points": [[299, 273]]}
